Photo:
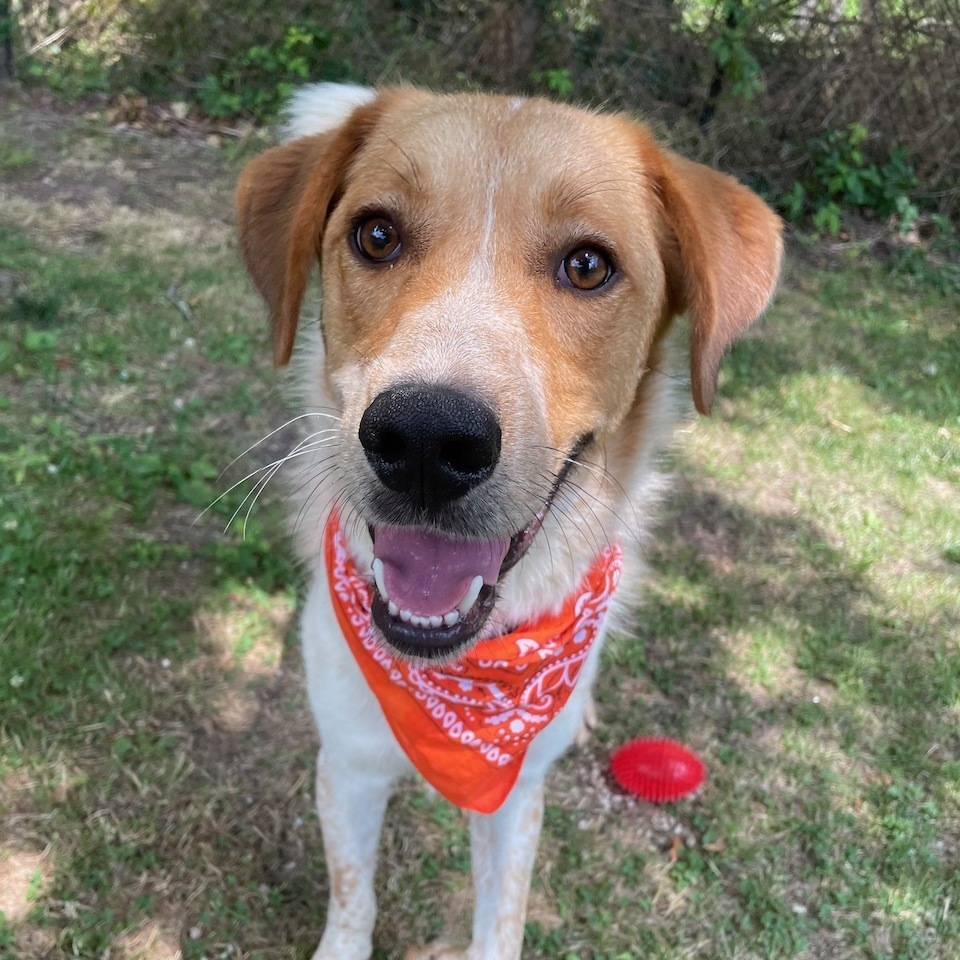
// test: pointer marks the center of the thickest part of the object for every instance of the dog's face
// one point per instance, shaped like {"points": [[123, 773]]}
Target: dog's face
{"points": [[495, 274]]}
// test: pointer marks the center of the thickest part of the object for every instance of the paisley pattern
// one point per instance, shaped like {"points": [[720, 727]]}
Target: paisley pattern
{"points": [[466, 726]]}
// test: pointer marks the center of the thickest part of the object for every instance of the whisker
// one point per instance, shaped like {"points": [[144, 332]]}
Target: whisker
{"points": [[305, 448], [626, 496], [267, 436], [586, 529], [605, 477], [302, 449], [676, 378], [261, 481], [307, 503], [318, 478], [313, 466], [262, 485], [591, 190]]}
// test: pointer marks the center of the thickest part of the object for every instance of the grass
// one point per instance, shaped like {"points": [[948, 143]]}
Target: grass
{"points": [[155, 750], [15, 156]]}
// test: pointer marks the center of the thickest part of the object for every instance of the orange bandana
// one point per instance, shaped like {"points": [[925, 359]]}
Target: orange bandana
{"points": [[466, 726]]}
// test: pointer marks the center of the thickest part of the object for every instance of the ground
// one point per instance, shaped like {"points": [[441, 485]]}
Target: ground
{"points": [[800, 631]]}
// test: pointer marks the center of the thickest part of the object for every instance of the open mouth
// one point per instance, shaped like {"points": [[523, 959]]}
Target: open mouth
{"points": [[433, 593]]}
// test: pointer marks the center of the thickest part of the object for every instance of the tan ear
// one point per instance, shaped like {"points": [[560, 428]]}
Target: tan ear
{"points": [[722, 255], [283, 199]]}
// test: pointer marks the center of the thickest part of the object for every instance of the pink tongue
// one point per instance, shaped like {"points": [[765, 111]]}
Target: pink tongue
{"points": [[428, 574]]}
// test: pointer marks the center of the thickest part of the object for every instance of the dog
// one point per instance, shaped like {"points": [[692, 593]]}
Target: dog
{"points": [[492, 378]]}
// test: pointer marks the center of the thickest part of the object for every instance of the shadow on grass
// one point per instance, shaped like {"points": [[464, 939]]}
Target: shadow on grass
{"points": [[166, 767], [179, 796], [826, 718], [721, 569]]}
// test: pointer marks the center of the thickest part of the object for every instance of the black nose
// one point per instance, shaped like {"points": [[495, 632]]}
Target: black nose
{"points": [[431, 443]]}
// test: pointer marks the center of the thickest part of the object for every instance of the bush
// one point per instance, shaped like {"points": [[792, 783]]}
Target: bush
{"points": [[779, 91], [840, 176], [260, 80]]}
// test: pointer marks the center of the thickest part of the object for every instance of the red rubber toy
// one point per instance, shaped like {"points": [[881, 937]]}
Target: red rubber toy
{"points": [[657, 770]]}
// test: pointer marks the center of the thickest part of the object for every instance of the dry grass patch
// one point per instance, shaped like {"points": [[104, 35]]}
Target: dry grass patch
{"points": [[23, 876]]}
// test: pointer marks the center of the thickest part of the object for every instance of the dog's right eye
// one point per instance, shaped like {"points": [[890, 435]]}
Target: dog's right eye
{"points": [[377, 239]]}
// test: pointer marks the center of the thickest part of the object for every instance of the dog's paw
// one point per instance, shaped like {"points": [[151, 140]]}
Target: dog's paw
{"points": [[438, 951], [342, 948]]}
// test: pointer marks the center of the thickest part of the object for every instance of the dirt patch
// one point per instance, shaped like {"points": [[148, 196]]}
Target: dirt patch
{"points": [[582, 783], [151, 940], [80, 161], [23, 874]]}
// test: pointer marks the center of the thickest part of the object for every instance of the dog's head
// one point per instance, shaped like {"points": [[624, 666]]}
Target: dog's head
{"points": [[497, 274]]}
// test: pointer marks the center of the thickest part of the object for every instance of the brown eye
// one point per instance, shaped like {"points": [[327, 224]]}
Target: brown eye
{"points": [[585, 269], [378, 239]]}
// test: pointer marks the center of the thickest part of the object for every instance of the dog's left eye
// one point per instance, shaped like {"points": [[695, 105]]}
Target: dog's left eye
{"points": [[378, 239], [586, 268]]}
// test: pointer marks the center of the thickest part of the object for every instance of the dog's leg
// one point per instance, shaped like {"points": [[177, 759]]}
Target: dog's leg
{"points": [[358, 764], [503, 847], [351, 804]]}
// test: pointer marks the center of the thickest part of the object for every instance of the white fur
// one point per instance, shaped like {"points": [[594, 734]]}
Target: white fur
{"points": [[320, 107]]}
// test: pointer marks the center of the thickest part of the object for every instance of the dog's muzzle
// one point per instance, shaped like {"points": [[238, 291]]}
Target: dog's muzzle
{"points": [[430, 446]]}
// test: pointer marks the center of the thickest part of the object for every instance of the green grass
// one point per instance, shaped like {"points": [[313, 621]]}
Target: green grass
{"points": [[800, 632], [15, 155]]}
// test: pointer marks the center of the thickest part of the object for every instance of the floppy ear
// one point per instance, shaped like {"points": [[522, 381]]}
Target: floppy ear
{"points": [[722, 255], [283, 199]]}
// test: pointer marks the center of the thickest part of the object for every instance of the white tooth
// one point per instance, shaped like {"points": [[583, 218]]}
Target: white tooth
{"points": [[451, 618], [406, 616], [415, 620], [470, 597], [436, 621], [378, 576], [393, 609]]}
